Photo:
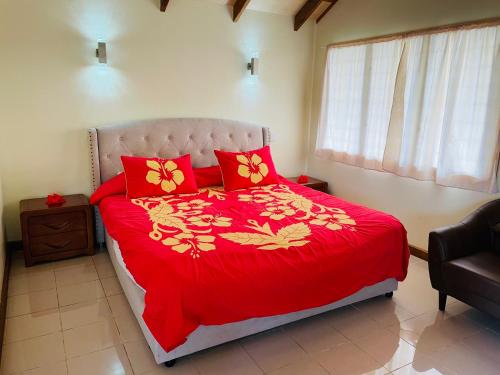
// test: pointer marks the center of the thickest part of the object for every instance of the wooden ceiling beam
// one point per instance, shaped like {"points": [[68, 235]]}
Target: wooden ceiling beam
{"points": [[332, 3], [238, 8], [163, 5], [305, 12]]}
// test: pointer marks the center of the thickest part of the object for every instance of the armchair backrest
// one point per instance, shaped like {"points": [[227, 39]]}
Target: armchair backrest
{"points": [[481, 222]]}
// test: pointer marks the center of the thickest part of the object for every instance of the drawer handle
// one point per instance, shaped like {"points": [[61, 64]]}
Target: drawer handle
{"points": [[56, 247], [57, 227]]}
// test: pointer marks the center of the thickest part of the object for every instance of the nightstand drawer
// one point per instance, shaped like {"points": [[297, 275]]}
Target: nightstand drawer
{"points": [[56, 223], [61, 242]]}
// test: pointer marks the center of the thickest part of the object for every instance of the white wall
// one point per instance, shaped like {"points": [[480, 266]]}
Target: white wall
{"points": [[190, 61], [421, 206]]}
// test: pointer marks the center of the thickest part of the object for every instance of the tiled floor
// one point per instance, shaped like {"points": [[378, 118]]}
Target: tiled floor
{"points": [[70, 317]]}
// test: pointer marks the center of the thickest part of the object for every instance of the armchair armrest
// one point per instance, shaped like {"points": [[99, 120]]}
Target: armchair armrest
{"points": [[446, 244], [453, 242], [470, 236]]}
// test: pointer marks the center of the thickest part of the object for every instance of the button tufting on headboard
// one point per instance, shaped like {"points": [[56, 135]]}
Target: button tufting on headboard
{"points": [[170, 138]]}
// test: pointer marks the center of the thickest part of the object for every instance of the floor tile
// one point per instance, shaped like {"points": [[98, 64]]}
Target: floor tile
{"points": [[83, 292], [184, 366], [301, 368], [89, 338], [128, 328], [417, 283], [119, 305], [315, 335], [111, 286], [273, 350], [18, 268], [105, 269], [55, 369], [349, 359], [388, 349], [111, 361], [384, 310], [469, 312], [434, 330], [225, 359], [31, 303], [461, 360], [32, 353], [101, 257], [84, 313], [406, 334], [485, 342], [411, 369], [75, 275], [31, 325], [352, 323], [140, 356], [31, 282], [72, 262]]}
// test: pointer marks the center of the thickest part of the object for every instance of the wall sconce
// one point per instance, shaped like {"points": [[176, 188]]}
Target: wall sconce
{"points": [[253, 66], [100, 53]]}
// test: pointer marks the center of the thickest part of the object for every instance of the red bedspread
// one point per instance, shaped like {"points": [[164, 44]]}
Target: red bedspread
{"points": [[217, 257]]}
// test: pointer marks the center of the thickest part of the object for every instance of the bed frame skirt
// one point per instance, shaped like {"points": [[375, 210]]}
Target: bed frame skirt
{"points": [[208, 336]]}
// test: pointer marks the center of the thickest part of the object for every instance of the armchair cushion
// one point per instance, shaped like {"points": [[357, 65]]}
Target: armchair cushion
{"points": [[478, 274]]}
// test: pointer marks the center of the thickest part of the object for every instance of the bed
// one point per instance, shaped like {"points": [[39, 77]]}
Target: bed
{"points": [[383, 255]]}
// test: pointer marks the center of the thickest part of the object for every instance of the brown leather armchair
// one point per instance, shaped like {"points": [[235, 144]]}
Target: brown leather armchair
{"points": [[464, 260]]}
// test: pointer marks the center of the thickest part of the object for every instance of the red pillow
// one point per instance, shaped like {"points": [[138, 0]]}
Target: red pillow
{"points": [[113, 186], [208, 176], [154, 177], [246, 169]]}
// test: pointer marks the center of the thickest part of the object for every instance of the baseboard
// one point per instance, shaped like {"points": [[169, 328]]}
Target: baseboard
{"points": [[3, 297], [419, 253]]}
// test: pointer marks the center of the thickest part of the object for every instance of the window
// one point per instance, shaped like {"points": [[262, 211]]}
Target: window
{"points": [[427, 107], [357, 101]]}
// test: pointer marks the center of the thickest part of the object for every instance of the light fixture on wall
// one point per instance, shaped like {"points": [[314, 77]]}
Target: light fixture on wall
{"points": [[253, 66], [100, 53]]}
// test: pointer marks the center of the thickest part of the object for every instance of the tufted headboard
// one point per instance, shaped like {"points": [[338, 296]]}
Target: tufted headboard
{"points": [[168, 138]]}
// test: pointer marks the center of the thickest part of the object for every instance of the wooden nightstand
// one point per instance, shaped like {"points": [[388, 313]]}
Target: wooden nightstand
{"points": [[52, 233], [313, 183]]}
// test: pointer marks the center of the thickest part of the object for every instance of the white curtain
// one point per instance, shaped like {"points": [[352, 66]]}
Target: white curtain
{"points": [[357, 99], [444, 111]]}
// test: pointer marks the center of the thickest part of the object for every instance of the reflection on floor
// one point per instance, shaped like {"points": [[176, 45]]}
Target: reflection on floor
{"points": [[70, 317]]}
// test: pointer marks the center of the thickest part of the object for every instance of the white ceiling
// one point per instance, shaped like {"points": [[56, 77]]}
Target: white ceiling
{"points": [[284, 7]]}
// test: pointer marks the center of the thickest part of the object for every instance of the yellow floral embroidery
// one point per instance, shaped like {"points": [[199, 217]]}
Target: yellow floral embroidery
{"points": [[171, 222], [196, 204], [257, 198], [215, 191], [163, 215], [183, 242], [208, 220], [281, 196], [252, 167], [166, 175], [333, 222], [186, 228], [278, 212], [266, 239]]}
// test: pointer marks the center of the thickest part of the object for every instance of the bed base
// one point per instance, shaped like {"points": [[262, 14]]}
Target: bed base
{"points": [[206, 337]]}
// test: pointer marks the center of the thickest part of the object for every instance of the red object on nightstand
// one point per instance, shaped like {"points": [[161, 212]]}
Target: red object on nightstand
{"points": [[303, 179], [55, 200]]}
